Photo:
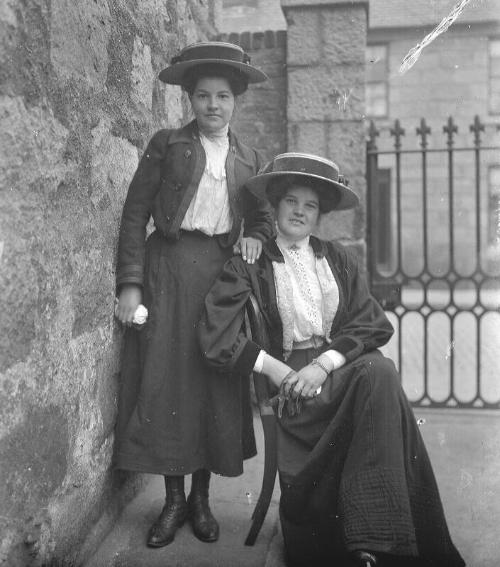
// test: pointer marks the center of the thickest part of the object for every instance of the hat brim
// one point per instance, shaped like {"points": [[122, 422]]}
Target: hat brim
{"points": [[174, 74], [345, 198]]}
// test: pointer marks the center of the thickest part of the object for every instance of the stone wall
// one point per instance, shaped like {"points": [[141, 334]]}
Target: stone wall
{"points": [[326, 97], [260, 116], [78, 100]]}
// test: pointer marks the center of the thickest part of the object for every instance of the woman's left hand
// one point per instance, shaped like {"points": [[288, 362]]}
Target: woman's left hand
{"points": [[308, 380], [251, 249]]}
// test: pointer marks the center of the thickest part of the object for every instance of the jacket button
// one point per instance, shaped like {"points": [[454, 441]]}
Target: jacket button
{"points": [[187, 154], [177, 186]]}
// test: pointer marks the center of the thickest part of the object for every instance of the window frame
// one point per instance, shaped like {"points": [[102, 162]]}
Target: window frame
{"points": [[493, 213], [384, 81], [491, 110]]}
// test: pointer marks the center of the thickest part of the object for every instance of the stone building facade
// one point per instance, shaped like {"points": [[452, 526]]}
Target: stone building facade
{"points": [[79, 99], [456, 75]]}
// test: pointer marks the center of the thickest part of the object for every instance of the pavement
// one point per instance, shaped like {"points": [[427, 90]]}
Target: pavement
{"points": [[464, 446], [232, 501]]}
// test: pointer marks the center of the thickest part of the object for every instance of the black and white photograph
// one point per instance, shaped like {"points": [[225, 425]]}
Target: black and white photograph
{"points": [[250, 283]]}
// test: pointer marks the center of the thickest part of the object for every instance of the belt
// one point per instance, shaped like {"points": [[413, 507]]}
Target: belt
{"points": [[313, 342], [197, 232]]}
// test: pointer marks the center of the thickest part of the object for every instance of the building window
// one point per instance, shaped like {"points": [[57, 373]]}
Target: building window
{"points": [[494, 79], [376, 81], [381, 222], [494, 206]]}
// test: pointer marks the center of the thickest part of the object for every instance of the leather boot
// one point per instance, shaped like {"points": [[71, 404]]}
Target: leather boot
{"points": [[173, 515], [205, 526]]}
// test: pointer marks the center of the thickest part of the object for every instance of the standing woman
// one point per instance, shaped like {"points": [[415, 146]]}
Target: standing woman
{"points": [[175, 415]]}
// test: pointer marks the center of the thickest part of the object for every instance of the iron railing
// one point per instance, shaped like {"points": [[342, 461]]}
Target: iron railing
{"points": [[439, 278]]}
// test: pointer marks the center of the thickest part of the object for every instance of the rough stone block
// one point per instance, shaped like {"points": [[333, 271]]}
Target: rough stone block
{"points": [[287, 4], [309, 137], [303, 37], [326, 93], [346, 143], [340, 225], [142, 75], [343, 34], [270, 39], [79, 35]]}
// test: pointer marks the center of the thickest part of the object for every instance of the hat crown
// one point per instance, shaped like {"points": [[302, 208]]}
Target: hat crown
{"points": [[212, 50], [306, 164]]}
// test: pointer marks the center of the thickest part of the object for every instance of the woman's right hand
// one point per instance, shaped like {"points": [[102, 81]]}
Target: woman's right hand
{"points": [[275, 370], [128, 301]]}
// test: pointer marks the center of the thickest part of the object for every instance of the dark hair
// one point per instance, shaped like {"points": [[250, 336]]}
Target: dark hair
{"points": [[276, 189], [238, 82]]}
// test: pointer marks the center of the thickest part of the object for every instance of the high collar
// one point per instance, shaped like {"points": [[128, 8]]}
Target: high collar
{"points": [[191, 132], [218, 136], [272, 251], [284, 243]]}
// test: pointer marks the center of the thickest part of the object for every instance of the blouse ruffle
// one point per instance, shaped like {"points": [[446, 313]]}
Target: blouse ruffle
{"points": [[209, 211]]}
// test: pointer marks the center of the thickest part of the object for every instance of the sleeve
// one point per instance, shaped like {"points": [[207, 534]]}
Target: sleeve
{"points": [[363, 326], [136, 213], [258, 215], [220, 332]]}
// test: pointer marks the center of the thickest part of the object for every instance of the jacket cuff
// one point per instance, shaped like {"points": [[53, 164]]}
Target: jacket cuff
{"points": [[246, 360], [133, 273], [349, 347]]}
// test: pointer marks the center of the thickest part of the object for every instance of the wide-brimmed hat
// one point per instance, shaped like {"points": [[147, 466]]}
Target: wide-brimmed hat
{"points": [[334, 193], [210, 52]]}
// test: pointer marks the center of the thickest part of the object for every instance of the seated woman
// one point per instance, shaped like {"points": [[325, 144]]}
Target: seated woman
{"points": [[348, 443]]}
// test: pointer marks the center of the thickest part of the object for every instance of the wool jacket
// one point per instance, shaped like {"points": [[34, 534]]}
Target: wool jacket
{"points": [[360, 324], [164, 184]]}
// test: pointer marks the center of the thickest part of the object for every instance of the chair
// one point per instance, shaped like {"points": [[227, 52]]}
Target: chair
{"points": [[257, 331], [310, 544]]}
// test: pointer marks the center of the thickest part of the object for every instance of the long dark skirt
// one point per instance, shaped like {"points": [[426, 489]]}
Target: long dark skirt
{"points": [[354, 457], [176, 415]]}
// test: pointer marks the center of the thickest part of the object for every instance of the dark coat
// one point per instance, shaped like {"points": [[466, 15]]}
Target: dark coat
{"points": [[360, 324], [176, 415], [164, 184]]}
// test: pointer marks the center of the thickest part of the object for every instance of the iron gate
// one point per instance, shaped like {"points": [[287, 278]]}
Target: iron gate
{"points": [[434, 258]]}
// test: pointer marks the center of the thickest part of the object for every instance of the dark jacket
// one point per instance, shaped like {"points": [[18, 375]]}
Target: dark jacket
{"points": [[360, 324], [164, 184]]}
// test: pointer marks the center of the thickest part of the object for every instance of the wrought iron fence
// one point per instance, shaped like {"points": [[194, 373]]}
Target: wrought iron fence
{"points": [[434, 257]]}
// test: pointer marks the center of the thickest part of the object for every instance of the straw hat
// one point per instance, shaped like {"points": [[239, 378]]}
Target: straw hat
{"points": [[213, 52], [332, 187]]}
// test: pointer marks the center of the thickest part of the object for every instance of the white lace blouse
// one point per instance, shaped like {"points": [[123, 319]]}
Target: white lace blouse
{"points": [[308, 297], [209, 209]]}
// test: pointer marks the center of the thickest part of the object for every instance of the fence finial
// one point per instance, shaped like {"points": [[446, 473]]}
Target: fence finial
{"points": [[477, 127], [397, 132], [423, 130], [450, 129]]}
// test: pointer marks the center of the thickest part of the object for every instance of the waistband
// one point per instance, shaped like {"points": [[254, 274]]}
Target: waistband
{"points": [[183, 232], [313, 342]]}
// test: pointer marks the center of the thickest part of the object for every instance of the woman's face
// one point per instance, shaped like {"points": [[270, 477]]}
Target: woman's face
{"points": [[213, 103], [297, 213]]}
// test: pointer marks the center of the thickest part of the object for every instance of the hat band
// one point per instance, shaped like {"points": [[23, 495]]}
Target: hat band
{"points": [[305, 166], [219, 52]]}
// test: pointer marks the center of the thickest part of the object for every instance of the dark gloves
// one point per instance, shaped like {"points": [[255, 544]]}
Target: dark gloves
{"points": [[286, 397]]}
